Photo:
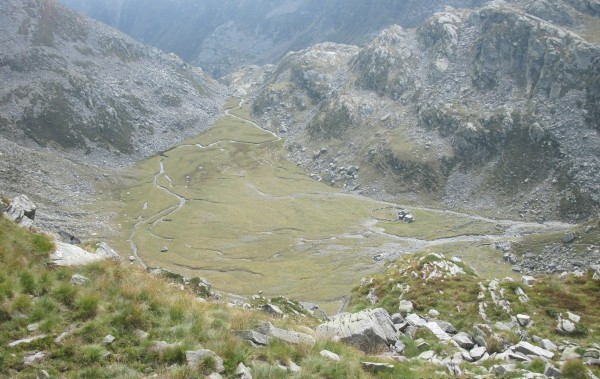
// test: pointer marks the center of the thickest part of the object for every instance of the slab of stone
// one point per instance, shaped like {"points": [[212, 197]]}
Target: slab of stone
{"points": [[477, 353], [285, 335], [369, 330], [273, 310], [464, 340], [426, 355], [252, 336], [437, 331], [529, 349], [416, 320], [71, 255], [376, 367]]}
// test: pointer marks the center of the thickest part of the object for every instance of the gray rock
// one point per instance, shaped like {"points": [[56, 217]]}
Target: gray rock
{"points": [[376, 367], [397, 318], [529, 349], [195, 358], [551, 371], [273, 310], [503, 369], [329, 355], [416, 320], [141, 334], [164, 249], [252, 336], [108, 340], [369, 330], [21, 210], [477, 353], [399, 347], [568, 237], [214, 375], [523, 320], [243, 372], [446, 327], [464, 340], [405, 307], [565, 326], [426, 355], [79, 280], [31, 358], [437, 331], [433, 313], [548, 345], [285, 335]]}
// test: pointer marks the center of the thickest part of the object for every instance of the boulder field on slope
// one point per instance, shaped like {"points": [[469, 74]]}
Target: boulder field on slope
{"points": [[492, 108]]}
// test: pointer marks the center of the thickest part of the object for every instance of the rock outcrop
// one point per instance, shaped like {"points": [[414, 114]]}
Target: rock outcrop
{"points": [[369, 331], [488, 108]]}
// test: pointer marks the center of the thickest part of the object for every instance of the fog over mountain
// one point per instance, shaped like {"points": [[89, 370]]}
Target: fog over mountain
{"points": [[220, 35]]}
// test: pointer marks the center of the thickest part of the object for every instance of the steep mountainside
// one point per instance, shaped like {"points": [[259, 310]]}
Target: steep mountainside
{"points": [[75, 90], [220, 35], [492, 108]]}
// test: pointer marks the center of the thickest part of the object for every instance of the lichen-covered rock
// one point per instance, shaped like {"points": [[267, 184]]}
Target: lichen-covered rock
{"points": [[368, 330]]}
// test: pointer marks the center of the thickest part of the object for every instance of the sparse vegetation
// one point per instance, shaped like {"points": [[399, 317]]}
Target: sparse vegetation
{"points": [[122, 300]]}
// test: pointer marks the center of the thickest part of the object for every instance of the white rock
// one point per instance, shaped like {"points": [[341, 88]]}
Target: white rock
{"points": [[108, 339], [329, 355], [195, 358], [416, 320], [573, 317], [437, 331], [528, 280]]}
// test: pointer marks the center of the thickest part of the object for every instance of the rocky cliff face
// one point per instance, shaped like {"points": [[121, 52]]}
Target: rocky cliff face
{"points": [[487, 108], [77, 95], [222, 35]]}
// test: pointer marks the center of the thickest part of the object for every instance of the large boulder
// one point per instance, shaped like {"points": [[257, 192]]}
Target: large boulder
{"points": [[21, 210], [289, 336], [370, 330]]}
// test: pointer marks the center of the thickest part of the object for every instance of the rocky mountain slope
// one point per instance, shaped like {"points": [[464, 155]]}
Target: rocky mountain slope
{"points": [[74, 90], [493, 108], [221, 35], [70, 312]]}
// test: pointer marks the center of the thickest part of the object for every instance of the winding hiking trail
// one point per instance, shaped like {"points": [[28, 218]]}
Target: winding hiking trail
{"points": [[394, 246]]}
